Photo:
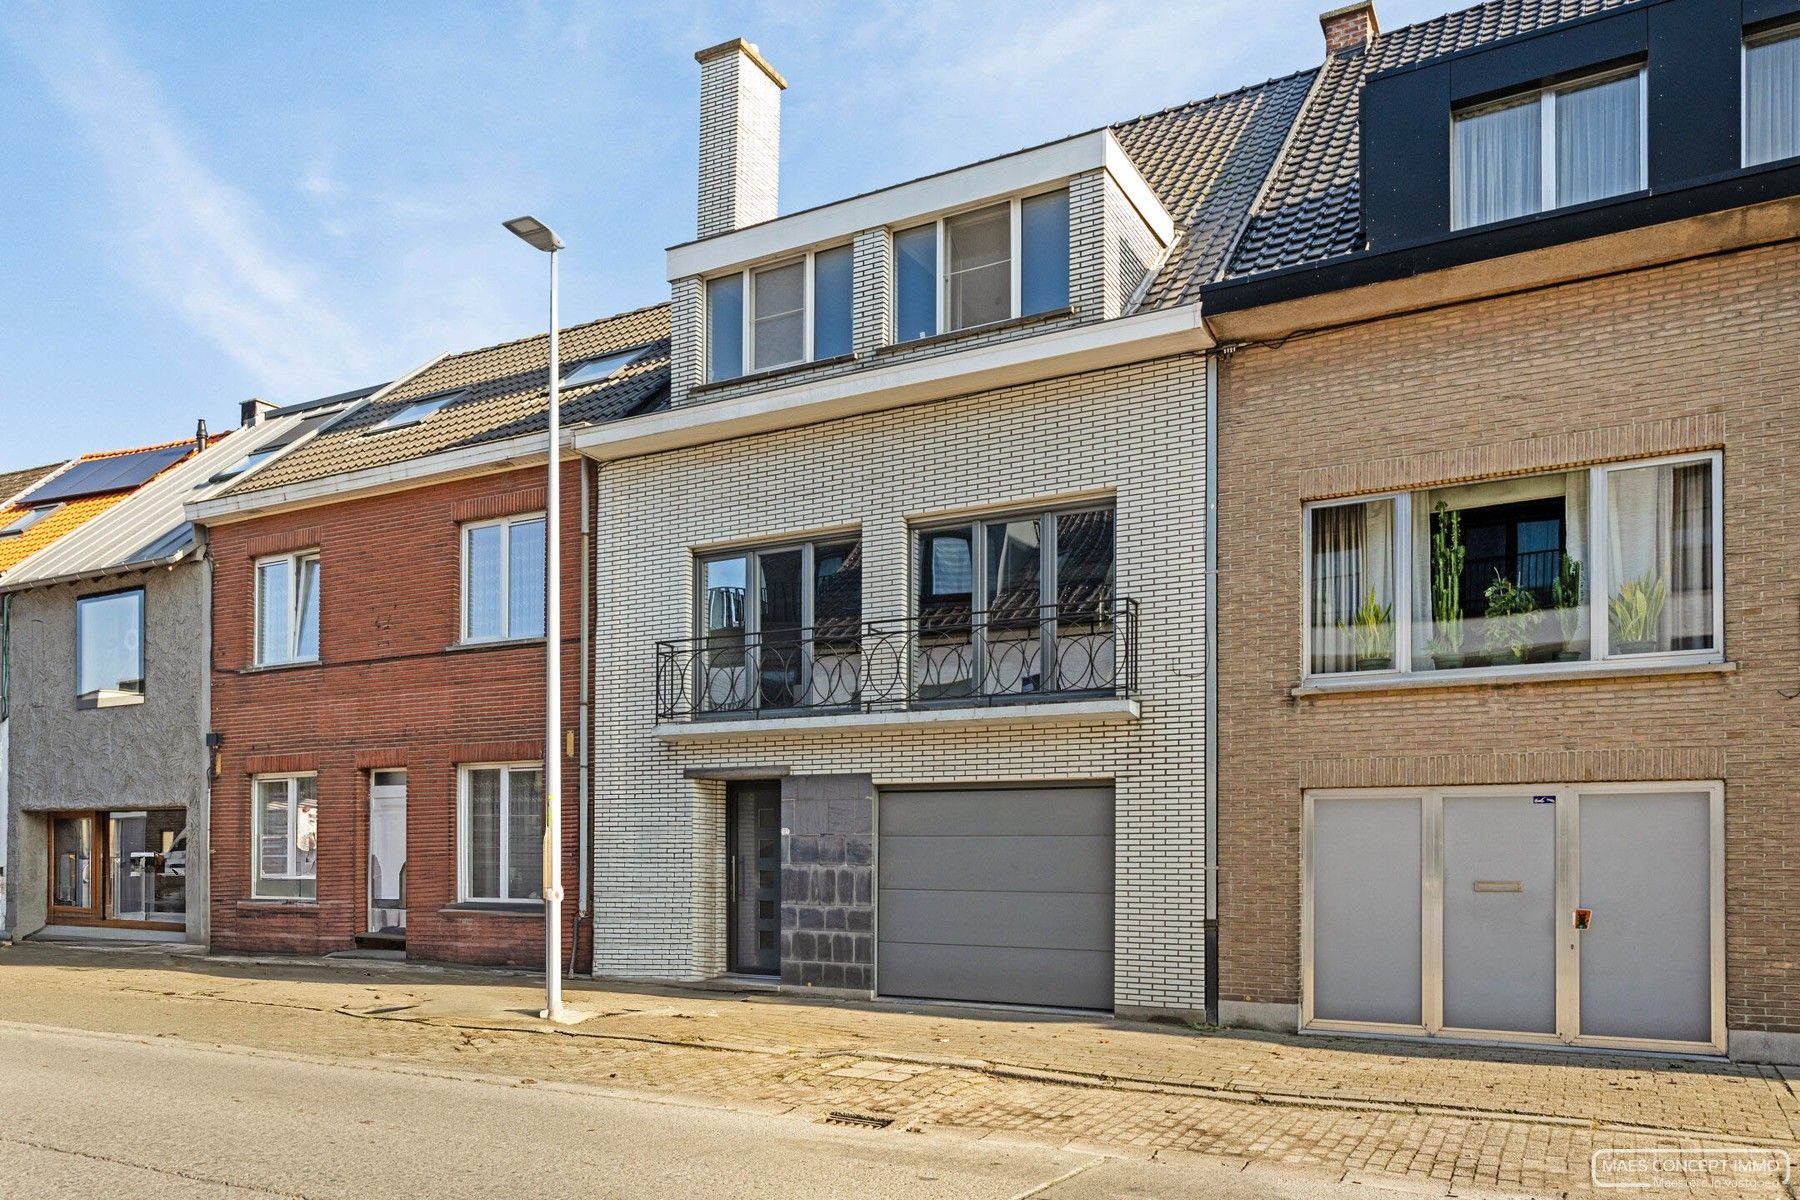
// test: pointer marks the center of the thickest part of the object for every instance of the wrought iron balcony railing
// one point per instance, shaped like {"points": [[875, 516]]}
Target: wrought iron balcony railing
{"points": [[950, 658]]}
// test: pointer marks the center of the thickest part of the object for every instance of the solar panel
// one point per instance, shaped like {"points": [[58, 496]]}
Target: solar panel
{"points": [[114, 474]]}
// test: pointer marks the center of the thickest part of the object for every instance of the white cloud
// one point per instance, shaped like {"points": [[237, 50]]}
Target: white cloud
{"points": [[184, 236]]}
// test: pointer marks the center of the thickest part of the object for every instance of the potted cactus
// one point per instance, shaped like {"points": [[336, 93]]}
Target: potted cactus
{"points": [[1568, 594], [1372, 634], [1511, 614], [1635, 612], [1447, 558]]}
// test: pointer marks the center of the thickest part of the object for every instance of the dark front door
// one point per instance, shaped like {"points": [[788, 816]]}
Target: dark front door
{"points": [[753, 876]]}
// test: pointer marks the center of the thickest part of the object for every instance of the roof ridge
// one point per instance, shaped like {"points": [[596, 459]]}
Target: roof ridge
{"points": [[562, 329], [99, 454], [1212, 99]]}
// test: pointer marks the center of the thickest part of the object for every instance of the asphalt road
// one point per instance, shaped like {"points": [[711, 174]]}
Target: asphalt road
{"points": [[85, 1114]]}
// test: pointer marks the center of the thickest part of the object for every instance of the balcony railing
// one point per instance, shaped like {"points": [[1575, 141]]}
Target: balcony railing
{"points": [[935, 660]]}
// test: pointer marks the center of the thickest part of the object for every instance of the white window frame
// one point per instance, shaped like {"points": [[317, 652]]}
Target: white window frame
{"points": [[1567, 800], [1546, 101], [1780, 33], [294, 560], [748, 274], [1014, 248], [464, 844], [505, 525], [1601, 656], [257, 874]]}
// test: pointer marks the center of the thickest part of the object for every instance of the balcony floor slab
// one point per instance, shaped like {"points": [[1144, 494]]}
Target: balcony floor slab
{"points": [[1061, 712]]}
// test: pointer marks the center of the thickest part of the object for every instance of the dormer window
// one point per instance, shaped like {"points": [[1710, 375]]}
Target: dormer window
{"points": [[1548, 149], [1772, 97], [974, 268], [796, 311]]}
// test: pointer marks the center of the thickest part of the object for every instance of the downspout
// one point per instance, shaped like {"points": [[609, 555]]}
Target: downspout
{"points": [[1211, 690], [200, 823], [584, 690]]}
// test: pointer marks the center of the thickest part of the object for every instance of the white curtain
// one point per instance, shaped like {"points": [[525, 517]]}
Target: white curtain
{"points": [[1772, 100], [1659, 523], [483, 835], [524, 835], [1352, 552], [306, 638], [525, 583], [1499, 164], [1598, 141], [272, 612], [481, 583]]}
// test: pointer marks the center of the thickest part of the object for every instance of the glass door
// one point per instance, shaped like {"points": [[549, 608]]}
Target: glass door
{"points": [[146, 856], [74, 890]]}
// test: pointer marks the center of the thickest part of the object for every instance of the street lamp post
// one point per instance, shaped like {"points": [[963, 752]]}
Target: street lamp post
{"points": [[540, 237]]}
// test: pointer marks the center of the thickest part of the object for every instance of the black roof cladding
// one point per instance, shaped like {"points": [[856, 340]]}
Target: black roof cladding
{"points": [[116, 473]]}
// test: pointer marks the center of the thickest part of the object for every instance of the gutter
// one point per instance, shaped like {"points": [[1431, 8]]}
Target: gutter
{"points": [[1211, 691]]}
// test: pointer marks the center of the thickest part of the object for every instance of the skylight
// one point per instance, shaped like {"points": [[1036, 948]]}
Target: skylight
{"points": [[255, 458], [27, 519], [417, 411], [596, 369]]}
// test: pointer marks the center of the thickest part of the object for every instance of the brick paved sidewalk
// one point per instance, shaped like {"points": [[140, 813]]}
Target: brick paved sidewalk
{"points": [[1433, 1118]]}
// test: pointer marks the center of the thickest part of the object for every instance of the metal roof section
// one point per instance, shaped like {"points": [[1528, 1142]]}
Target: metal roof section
{"points": [[114, 473], [150, 527]]}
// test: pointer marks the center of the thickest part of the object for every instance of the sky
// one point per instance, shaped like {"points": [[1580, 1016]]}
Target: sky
{"points": [[207, 200]]}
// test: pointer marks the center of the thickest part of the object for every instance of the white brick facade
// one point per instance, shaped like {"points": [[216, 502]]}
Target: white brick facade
{"points": [[1134, 433]]}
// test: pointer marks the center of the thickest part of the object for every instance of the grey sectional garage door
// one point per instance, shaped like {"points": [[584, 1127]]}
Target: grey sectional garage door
{"points": [[999, 895]]}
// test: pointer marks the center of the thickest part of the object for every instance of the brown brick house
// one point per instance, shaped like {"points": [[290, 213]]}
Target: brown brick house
{"points": [[1508, 635], [378, 659]]}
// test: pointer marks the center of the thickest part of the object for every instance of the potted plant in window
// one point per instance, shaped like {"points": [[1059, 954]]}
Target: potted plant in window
{"points": [[1372, 633], [1447, 558], [1568, 594], [1511, 614], [1635, 612]]}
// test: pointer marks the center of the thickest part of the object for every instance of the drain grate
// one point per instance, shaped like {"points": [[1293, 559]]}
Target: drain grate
{"points": [[860, 1120]]}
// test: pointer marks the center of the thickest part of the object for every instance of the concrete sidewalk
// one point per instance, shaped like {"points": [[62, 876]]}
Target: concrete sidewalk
{"points": [[1438, 1117]]}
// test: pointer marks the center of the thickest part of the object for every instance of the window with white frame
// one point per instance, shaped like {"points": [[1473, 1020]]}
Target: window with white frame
{"points": [[287, 609], [1548, 149], [1619, 563], [779, 315], [1772, 96], [109, 648], [500, 821], [284, 859], [993, 263], [503, 579]]}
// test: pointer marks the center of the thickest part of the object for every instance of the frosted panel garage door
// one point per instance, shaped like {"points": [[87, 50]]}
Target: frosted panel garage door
{"points": [[1365, 909], [997, 895]]}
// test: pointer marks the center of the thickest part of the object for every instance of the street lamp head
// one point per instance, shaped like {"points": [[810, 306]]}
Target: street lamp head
{"points": [[535, 232]]}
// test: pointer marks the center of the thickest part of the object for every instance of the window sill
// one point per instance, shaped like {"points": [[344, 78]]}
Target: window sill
{"points": [[700, 389], [276, 904], [109, 700], [973, 331], [267, 668], [494, 908], [1105, 711], [1496, 676], [493, 644]]}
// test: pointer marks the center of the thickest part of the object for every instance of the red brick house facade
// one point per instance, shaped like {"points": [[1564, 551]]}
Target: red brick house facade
{"points": [[393, 688]]}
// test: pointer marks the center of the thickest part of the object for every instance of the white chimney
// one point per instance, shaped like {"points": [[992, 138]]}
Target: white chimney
{"points": [[740, 137]]}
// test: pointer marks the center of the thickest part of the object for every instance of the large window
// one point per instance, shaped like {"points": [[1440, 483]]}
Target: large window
{"points": [[1548, 149], [287, 609], [1005, 260], [1772, 97], [503, 579], [1615, 563], [284, 863], [781, 626], [109, 648], [779, 315], [1016, 604], [500, 815]]}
